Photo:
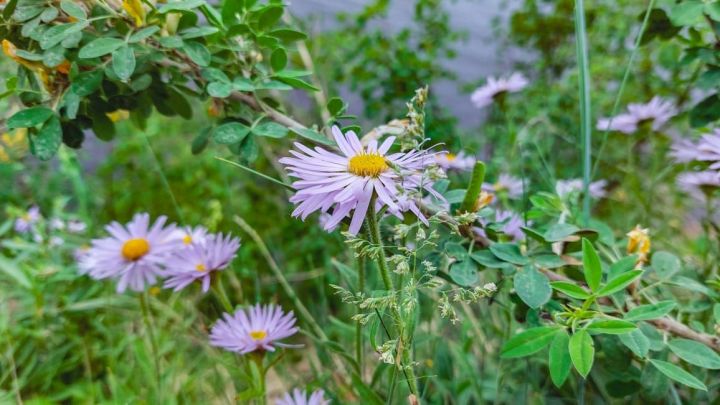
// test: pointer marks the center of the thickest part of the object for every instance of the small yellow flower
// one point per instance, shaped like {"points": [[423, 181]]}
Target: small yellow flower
{"points": [[639, 243], [13, 145], [135, 9], [483, 200], [118, 115]]}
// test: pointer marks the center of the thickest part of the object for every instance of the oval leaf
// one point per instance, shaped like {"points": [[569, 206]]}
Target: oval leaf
{"points": [[591, 265], [612, 327], [100, 47], [570, 289], [676, 373], [559, 360], [528, 342], [695, 353], [619, 283], [582, 352], [532, 286], [230, 133], [650, 311]]}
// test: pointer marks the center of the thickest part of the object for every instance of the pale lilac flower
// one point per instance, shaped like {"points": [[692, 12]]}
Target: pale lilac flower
{"points": [[57, 224], [683, 151], [699, 184], [199, 261], [657, 113], [298, 397], [347, 181], [133, 254], [26, 221], [76, 226], [192, 235], [56, 241], [485, 95], [506, 183], [564, 188], [449, 161], [709, 149], [257, 328], [511, 225]]}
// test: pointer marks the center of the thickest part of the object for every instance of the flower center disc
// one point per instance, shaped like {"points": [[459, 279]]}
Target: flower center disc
{"points": [[258, 334], [187, 239], [450, 157], [136, 248], [200, 267], [367, 165]]}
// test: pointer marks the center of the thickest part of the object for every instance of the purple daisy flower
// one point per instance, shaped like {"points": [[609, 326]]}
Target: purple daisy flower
{"points": [[26, 221], [683, 151], [257, 328], [564, 188], [133, 254], [657, 113], [485, 95], [192, 235], [506, 183], [512, 225], [298, 397], [199, 260], [699, 184], [346, 182], [449, 161], [709, 149]]}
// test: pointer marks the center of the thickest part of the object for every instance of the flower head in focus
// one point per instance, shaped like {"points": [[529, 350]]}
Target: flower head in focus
{"points": [[656, 114], [199, 261], [639, 243], [298, 397], [134, 254], [346, 182], [449, 161], [257, 328], [496, 87], [25, 222]]}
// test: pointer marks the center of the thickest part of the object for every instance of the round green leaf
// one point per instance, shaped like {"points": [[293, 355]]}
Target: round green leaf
{"points": [[230, 133], [99, 47], [29, 117], [464, 273], [123, 62], [278, 59], [198, 53], [46, 142], [270, 129], [509, 252], [532, 286]]}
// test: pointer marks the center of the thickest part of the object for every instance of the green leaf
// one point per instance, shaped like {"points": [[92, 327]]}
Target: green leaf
{"points": [[591, 265], [509, 252], [243, 84], [201, 141], [665, 264], [487, 259], [219, 89], [269, 17], [456, 250], [57, 33], [183, 5], [559, 361], [29, 117], [650, 311], [103, 127], [636, 341], [278, 59], [230, 133], [173, 42], [713, 10], [619, 283], [676, 373], [621, 266], [582, 352], [297, 83], [695, 353], [336, 106], [196, 32], [464, 273], [123, 62], [570, 289], [528, 342], [611, 327], [313, 136], [72, 9], [705, 112], [46, 142], [687, 13], [558, 232], [532, 286], [548, 261], [99, 47], [143, 34], [198, 53], [87, 83], [270, 129]]}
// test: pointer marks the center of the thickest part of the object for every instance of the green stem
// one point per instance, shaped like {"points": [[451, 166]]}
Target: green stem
{"points": [[585, 108], [219, 291], [151, 335], [375, 239], [358, 327]]}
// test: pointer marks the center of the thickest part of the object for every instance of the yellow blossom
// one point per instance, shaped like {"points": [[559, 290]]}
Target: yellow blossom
{"points": [[135, 9], [639, 243], [13, 145], [483, 200], [118, 115]]}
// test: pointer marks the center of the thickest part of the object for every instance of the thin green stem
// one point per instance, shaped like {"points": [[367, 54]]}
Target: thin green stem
{"points": [[358, 326], [375, 239], [219, 291], [163, 178], [585, 107], [151, 335]]}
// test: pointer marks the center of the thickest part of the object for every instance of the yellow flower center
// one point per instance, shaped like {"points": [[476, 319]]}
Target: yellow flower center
{"points": [[367, 165], [450, 157], [258, 334], [200, 267], [187, 239], [135, 248]]}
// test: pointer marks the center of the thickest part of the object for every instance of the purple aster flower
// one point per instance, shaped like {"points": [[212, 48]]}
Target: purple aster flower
{"points": [[699, 184], [257, 328], [683, 151], [192, 235], [709, 149], [512, 224], [657, 113], [506, 183], [133, 254], [57, 224], [198, 261], [298, 397], [449, 161], [346, 182], [564, 188], [26, 221], [485, 95], [76, 226]]}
